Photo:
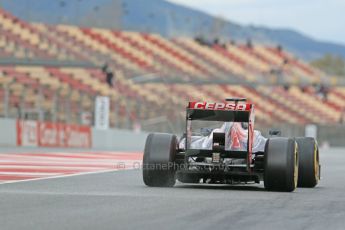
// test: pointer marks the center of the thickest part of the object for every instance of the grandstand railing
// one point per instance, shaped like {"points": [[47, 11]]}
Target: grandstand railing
{"points": [[53, 63]]}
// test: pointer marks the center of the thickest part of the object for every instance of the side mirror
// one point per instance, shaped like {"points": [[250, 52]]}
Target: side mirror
{"points": [[275, 132]]}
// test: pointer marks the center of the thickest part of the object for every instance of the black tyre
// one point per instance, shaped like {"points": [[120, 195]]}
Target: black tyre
{"points": [[309, 166], [186, 178], [281, 164], [158, 161]]}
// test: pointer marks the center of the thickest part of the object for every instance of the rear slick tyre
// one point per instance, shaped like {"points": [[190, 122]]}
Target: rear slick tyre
{"points": [[281, 164], [158, 160], [309, 166]]}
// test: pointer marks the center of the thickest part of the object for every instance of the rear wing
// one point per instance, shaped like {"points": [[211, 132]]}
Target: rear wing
{"points": [[230, 111], [219, 111]]}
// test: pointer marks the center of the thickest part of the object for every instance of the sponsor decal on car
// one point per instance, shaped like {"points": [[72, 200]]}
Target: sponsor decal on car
{"points": [[219, 106]]}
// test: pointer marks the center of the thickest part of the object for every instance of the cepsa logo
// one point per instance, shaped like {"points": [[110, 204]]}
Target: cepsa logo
{"points": [[218, 106]]}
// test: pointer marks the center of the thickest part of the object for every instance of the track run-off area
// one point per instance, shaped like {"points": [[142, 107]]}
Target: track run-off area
{"points": [[15, 167], [38, 192]]}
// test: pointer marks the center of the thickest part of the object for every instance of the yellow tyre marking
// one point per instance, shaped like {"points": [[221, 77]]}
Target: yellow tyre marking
{"points": [[316, 163], [296, 165]]}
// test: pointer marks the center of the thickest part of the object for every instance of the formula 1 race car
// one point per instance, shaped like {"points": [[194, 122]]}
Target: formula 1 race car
{"points": [[220, 146]]}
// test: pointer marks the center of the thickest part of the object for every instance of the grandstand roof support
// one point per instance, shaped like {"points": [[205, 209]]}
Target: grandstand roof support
{"points": [[39, 104], [80, 105], [55, 107], [115, 112], [6, 100], [128, 113], [22, 106], [68, 106], [232, 81]]}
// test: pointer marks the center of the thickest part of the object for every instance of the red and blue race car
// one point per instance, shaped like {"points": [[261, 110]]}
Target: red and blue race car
{"points": [[221, 146]]}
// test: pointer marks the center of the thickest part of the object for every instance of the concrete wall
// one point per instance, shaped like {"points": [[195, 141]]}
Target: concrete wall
{"points": [[8, 132], [116, 139], [333, 135]]}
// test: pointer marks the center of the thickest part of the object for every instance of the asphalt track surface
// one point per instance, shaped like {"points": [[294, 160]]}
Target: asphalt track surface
{"points": [[119, 200]]}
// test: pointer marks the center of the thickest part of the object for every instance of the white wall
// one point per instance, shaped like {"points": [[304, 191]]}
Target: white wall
{"points": [[8, 132], [116, 139]]}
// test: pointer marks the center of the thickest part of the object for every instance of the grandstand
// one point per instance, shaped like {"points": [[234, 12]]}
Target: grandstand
{"points": [[54, 73]]}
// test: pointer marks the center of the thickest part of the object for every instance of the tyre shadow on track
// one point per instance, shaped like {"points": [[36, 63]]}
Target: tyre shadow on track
{"points": [[221, 187]]}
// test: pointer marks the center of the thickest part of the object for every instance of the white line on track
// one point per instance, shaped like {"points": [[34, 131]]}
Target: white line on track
{"points": [[73, 155], [39, 166], [50, 167], [28, 173], [93, 162], [62, 176], [67, 158]]}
